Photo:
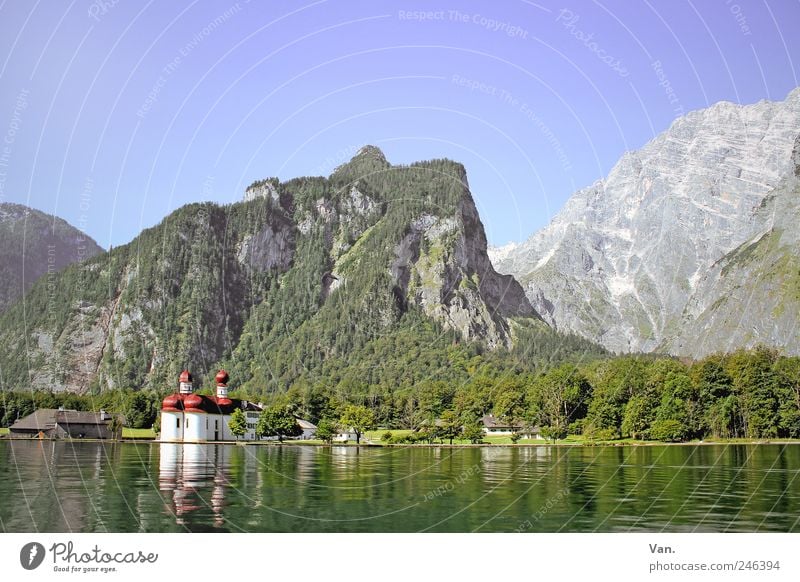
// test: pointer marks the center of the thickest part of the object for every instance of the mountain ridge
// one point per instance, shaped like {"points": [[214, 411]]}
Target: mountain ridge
{"points": [[34, 244], [619, 263], [339, 279]]}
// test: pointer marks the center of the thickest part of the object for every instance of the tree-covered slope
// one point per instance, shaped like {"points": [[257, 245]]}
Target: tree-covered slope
{"points": [[34, 244], [337, 279]]}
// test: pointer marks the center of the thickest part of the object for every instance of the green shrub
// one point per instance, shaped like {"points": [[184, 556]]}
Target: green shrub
{"points": [[576, 427], [668, 431], [601, 434]]}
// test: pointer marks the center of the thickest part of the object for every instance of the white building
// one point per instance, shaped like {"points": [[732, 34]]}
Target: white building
{"points": [[309, 429], [502, 427], [345, 434], [187, 417]]}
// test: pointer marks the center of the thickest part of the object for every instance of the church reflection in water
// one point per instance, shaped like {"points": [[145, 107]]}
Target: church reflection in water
{"points": [[188, 472]]}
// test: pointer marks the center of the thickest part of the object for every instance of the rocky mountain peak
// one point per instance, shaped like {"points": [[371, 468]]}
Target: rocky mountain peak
{"points": [[369, 160], [267, 188], [371, 152], [620, 262], [346, 267]]}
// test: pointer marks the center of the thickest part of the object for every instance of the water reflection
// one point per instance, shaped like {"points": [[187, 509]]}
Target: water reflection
{"points": [[186, 471], [61, 486]]}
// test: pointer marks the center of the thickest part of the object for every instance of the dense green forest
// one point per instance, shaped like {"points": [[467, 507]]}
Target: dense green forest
{"points": [[747, 394], [351, 280], [371, 287]]}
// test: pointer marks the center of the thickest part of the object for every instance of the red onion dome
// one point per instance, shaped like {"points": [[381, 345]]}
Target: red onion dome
{"points": [[193, 401], [173, 401], [222, 377], [186, 376]]}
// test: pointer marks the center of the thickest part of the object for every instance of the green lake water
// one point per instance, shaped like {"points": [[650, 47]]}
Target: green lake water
{"points": [[49, 486]]}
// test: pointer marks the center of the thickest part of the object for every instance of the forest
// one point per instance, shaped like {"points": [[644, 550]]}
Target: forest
{"points": [[751, 394]]}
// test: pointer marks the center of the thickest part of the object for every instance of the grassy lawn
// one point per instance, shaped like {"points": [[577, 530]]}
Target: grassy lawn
{"points": [[138, 433], [3, 431], [375, 435]]}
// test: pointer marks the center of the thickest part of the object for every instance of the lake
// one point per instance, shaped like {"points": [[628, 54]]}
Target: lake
{"points": [[57, 486]]}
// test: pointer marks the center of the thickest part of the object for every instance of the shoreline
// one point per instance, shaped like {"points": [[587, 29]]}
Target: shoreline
{"points": [[421, 445]]}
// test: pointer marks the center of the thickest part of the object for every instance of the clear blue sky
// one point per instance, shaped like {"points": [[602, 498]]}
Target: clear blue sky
{"points": [[113, 114]]}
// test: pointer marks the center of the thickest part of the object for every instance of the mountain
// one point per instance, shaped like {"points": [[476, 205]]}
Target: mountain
{"points": [[751, 295], [629, 260], [377, 274], [34, 244]]}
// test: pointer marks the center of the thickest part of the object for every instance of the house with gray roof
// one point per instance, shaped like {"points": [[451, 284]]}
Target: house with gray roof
{"points": [[59, 423], [493, 425]]}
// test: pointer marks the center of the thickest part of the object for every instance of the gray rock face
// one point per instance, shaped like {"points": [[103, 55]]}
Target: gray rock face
{"points": [[272, 247], [627, 255], [751, 295], [263, 189], [440, 264]]}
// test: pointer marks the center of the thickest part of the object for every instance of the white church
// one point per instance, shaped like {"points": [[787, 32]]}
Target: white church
{"points": [[187, 417]]}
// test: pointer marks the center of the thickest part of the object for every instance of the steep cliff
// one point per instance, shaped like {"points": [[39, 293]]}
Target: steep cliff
{"points": [[314, 277], [628, 255], [751, 295]]}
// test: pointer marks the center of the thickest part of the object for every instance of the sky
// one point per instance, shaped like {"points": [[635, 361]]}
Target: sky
{"points": [[113, 113]]}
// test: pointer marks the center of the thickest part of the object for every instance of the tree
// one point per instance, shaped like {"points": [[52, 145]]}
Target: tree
{"points": [[614, 382], [510, 401], [554, 433], [359, 418], [279, 422], [450, 425], [677, 403], [115, 427], [668, 430], [559, 397], [473, 432], [754, 384], [434, 397], [326, 430], [427, 434], [139, 410], [787, 371], [238, 423], [639, 413], [471, 400]]}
